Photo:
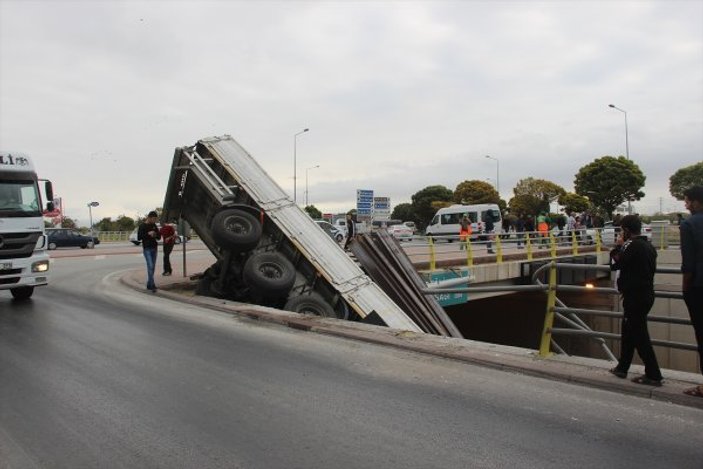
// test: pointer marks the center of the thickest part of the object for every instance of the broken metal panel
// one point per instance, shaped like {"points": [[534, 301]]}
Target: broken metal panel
{"points": [[388, 265]]}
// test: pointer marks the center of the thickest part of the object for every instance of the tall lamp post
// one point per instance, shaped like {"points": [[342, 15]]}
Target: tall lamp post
{"points": [[90, 213], [295, 165], [627, 149], [306, 182], [497, 173]]}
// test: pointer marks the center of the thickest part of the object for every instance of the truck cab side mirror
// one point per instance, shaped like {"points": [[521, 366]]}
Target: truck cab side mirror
{"points": [[49, 191]]}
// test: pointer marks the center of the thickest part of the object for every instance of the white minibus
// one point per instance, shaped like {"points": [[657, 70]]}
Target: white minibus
{"points": [[445, 223]]}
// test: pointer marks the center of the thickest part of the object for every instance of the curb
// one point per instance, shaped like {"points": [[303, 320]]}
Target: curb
{"points": [[505, 358]]}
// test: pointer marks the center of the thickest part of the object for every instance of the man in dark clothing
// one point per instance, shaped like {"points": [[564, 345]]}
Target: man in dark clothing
{"points": [[351, 230], [636, 259], [691, 230], [488, 229], [148, 234], [168, 234]]}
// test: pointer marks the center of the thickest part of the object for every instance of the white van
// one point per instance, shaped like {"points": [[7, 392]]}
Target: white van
{"points": [[445, 223]]}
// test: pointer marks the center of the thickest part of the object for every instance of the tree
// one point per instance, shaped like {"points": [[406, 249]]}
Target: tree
{"points": [[541, 189], [609, 181], [684, 178], [124, 223], [314, 213], [526, 204], [403, 212], [475, 192], [574, 202], [426, 200], [68, 222]]}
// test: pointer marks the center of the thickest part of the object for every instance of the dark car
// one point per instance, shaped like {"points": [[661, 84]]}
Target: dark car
{"points": [[69, 238]]}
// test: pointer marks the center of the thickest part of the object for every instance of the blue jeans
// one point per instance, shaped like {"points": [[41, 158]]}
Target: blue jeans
{"points": [[150, 256]]}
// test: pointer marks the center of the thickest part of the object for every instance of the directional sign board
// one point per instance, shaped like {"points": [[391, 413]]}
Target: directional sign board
{"points": [[381, 208], [364, 204]]}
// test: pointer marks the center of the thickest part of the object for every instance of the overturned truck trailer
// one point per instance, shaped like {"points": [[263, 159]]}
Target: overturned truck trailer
{"points": [[269, 251]]}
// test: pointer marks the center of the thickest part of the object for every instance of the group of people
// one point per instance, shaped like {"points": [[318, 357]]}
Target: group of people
{"points": [[636, 260], [149, 234]]}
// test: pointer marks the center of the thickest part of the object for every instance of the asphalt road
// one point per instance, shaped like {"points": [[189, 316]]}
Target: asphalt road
{"points": [[93, 374]]}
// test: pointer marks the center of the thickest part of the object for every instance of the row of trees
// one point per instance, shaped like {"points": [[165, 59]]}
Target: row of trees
{"points": [[600, 187]]}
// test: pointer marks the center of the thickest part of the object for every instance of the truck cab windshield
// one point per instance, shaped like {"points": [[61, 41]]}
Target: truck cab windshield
{"points": [[19, 199]]}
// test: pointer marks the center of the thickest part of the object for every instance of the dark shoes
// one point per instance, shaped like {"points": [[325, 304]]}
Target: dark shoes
{"points": [[166, 274], [646, 380], [619, 373]]}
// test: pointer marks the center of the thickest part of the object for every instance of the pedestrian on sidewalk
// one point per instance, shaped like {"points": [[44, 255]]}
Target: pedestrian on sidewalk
{"points": [[520, 230], [148, 234], [464, 231], [351, 231], [691, 230], [636, 259], [168, 235], [488, 229]]}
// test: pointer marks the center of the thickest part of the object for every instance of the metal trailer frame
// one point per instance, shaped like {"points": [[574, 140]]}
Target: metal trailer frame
{"points": [[217, 173]]}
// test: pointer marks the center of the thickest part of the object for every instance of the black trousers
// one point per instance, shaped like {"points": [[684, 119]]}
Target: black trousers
{"points": [[167, 260], [635, 334], [694, 301]]}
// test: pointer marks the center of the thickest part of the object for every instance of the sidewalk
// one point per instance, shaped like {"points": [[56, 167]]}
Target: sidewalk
{"points": [[579, 370]]}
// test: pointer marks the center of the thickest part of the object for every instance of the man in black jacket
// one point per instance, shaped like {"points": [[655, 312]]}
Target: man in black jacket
{"points": [[636, 259], [148, 234], [692, 267]]}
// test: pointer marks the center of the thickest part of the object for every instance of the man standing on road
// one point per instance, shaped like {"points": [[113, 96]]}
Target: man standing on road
{"points": [[148, 234], [636, 259], [691, 230], [351, 230], [168, 234]]}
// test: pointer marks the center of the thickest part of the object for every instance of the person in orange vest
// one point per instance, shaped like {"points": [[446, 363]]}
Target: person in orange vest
{"points": [[464, 231], [543, 228]]}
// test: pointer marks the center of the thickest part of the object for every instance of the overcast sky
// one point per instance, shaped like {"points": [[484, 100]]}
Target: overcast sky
{"points": [[397, 95]]}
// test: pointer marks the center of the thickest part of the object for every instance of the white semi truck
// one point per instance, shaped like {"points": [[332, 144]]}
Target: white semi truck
{"points": [[269, 251], [24, 261]]}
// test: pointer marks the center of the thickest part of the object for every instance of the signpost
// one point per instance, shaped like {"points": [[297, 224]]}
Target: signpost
{"points": [[364, 205], [381, 208]]}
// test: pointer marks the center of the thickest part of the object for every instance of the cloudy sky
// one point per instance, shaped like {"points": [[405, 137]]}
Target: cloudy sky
{"points": [[397, 95]]}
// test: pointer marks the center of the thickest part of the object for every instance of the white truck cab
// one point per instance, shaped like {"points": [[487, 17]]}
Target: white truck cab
{"points": [[24, 261]]}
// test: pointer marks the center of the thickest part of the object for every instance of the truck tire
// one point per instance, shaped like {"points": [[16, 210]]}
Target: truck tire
{"points": [[235, 229], [22, 293], [269, 273], [311, 304]]}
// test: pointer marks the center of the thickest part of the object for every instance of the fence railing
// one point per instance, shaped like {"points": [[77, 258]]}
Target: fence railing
{"points": [[556, 309]]}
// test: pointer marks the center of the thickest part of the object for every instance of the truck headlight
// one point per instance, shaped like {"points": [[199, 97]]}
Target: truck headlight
{"points": [[40, 266]]}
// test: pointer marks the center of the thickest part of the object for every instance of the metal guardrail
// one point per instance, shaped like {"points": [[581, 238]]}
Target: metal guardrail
{"points": [[557, 309]]}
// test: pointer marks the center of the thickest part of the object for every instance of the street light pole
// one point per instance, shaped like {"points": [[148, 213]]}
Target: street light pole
{"points": [[90, 214], [497, 173], [627, 138], [295, 165], [306, 182], [627, 149]]}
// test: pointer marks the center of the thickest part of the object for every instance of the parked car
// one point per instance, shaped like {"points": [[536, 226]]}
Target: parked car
{"points": [[609, 233], [401, 232], [70, 238], [334, 232], [136, 242]]}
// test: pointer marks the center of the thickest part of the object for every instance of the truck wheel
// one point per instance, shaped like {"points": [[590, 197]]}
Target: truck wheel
{"points": [[311, 304], [269, 273], [235, 229], [22, 293]]}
